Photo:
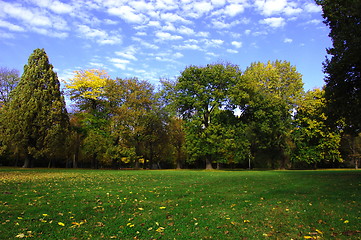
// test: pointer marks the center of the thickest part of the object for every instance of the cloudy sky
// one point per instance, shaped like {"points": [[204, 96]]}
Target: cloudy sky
{"points": [[153, 39]]}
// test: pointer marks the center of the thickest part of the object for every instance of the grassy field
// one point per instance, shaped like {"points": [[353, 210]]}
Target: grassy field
{"points": [[94, 204]]}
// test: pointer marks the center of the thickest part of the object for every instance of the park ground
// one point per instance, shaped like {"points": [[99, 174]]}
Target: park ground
{"points": [[179, 204]]}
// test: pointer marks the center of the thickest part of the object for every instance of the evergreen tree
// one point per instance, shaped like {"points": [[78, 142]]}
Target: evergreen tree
{"points": [[343, 68], [36, 120]]}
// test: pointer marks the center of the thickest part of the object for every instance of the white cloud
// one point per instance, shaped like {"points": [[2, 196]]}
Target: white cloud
{"points": [[128, 53], [201, 8], [202, 34], [274, 22], [141, 34], [232, 51], [169, 27], [234, 9], [119, 63], [213, 42], [270, 7], [141, 6], [288, 40], [220, 24], [145, 44], [100, 36], [178, 55], [55, 6], [171, 17], [218, 3], [6, 35], [292, 11], [314, 21], [11, 27], [188, 46], [185, 30], [247, 31], [60, 8], [154, 24], [237, 44], [110, 22], [167, 36], [127, 14], [312, 8]]}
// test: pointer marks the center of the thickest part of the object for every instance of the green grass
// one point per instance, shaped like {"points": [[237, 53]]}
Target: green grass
{"points": [[93, 204]]}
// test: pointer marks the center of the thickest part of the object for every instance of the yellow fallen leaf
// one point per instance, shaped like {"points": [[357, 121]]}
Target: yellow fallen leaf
{"points": [[346, 221], [61, 224], [141, 209], [319, 231], [162, 207], [246, 221], [20, 235], [160, 229], [45, 215]]}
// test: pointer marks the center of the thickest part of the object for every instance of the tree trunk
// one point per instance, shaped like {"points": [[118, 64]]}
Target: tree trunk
{"points": [[356, 164], [208, 164], [178, 160], [28, 162], [136, 163], [75, 158]]}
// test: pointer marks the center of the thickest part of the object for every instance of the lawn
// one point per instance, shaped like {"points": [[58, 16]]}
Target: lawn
{"points": [[94, 204]]}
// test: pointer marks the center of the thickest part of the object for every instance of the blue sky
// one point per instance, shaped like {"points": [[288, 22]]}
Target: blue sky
{"points": [[159, 38]]}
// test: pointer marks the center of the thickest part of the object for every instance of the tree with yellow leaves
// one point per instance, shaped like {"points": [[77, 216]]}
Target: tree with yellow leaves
{"points": [[86, 89]]}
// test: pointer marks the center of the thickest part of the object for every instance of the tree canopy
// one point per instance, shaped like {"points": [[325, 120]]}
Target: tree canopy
{"points": [[35, 119], [343, 69], [212, 115]]}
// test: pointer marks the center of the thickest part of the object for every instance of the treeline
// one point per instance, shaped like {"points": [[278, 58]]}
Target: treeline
{"points": [[210, 116]]}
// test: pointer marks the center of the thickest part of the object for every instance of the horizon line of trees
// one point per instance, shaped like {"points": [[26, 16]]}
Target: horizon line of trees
{"points": [[210, 116]]}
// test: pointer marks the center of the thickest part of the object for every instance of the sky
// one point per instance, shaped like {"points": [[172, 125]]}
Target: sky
{"points": [[155, 39]]}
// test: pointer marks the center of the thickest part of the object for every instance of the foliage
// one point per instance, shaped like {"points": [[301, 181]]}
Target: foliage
{"points": [[9, 78], [88, 84], [132, 103], [48, 204], [200, 93], [87, 90], [343, 80], [351, 148], [36, 119], [315, 141], [275, 89]]}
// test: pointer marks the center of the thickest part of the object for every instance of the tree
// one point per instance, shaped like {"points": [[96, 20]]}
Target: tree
{"points": [[87, 89], [177, 140], [275, 89], [343, 79], [9, 78], [36, 118], [131, 101], [315, 141], [351, 148], [199, 93]]}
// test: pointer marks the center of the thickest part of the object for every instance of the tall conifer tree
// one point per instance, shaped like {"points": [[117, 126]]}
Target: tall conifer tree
{"points": [[36, 118]]}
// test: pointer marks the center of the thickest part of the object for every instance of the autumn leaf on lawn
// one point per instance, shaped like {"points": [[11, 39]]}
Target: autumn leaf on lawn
{"points": [[61, 224], [20, 235]]}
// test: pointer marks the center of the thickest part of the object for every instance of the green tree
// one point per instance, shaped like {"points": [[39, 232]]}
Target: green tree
{"points": [[36, 120], [131, 101], [351, 148], [274, 90], [315, 141], [199, 93], [9, 78], [343, 79], [87, 90]]}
